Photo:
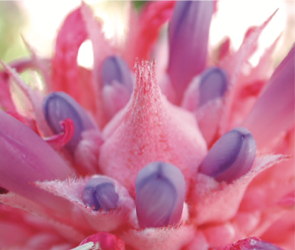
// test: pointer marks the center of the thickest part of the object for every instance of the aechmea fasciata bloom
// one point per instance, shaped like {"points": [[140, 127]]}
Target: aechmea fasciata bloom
{"points": [[113, 158]]}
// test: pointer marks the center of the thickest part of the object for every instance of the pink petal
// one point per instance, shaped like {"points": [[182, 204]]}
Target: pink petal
{"points": [[224, 49], [208, 115], [267, 218], [199, 242], [219, 235], [249, 87], [26, 158], [13, 230], [67, 76], [105, 241], [98, 40], [233, 64], [115, 97], [159, 238], [274, 110], [60, 140], [31, 123], [15, 201], [64, 61], [246, 222], [72, 190], [45, 219], [218, 202], [6, 101], [41, 64], [270, 186], [146, 29], [285, 240], [87, 152], [264, 67], [208, 118], [151, 130], [68, 232], [87, 97], [288, 200], [34, 98], [22, 64]]}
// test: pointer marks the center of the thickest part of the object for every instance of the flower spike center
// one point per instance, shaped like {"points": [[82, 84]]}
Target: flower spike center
{"points": [[146, 133]]}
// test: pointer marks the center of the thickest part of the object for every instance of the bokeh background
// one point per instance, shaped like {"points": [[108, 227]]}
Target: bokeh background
{"points": [[38, 22]]}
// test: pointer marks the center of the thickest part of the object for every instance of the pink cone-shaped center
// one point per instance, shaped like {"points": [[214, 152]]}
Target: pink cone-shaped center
{"points": [[151, 130]]}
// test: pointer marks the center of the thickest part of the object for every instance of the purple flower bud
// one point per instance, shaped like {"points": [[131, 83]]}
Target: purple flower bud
{"points": [[99, 193], [114, 68], [160, 193], [188, 41], [213, 84], [231, 156], [58, 106]]}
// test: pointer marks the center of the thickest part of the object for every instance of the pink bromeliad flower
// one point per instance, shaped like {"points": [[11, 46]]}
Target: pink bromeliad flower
{"points": [[196, 157]]}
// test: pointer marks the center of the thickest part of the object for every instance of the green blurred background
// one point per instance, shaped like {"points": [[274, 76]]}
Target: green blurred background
{"points": [[12, 21]]}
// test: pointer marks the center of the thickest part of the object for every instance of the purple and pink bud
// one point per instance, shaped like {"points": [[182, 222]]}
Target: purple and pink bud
{"points": [[115, 69], [117, 81], [213, 84], [99, 194], [59, 106], [160, 194], [231, 156], [188, 41]]}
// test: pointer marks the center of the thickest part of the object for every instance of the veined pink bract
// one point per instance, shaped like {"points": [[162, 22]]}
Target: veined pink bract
{"points": [[192, 155]]}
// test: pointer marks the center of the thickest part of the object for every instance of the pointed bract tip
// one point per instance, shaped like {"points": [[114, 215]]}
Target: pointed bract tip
{"points": [[273, 112], [231, 156], [160, 193]]}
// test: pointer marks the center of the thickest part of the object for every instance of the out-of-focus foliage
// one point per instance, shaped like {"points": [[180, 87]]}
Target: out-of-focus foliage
{"points": [[138, 4], [12, 20]]}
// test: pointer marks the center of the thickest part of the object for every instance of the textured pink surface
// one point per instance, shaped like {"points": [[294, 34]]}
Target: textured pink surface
{"points": [[151, 130]]}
